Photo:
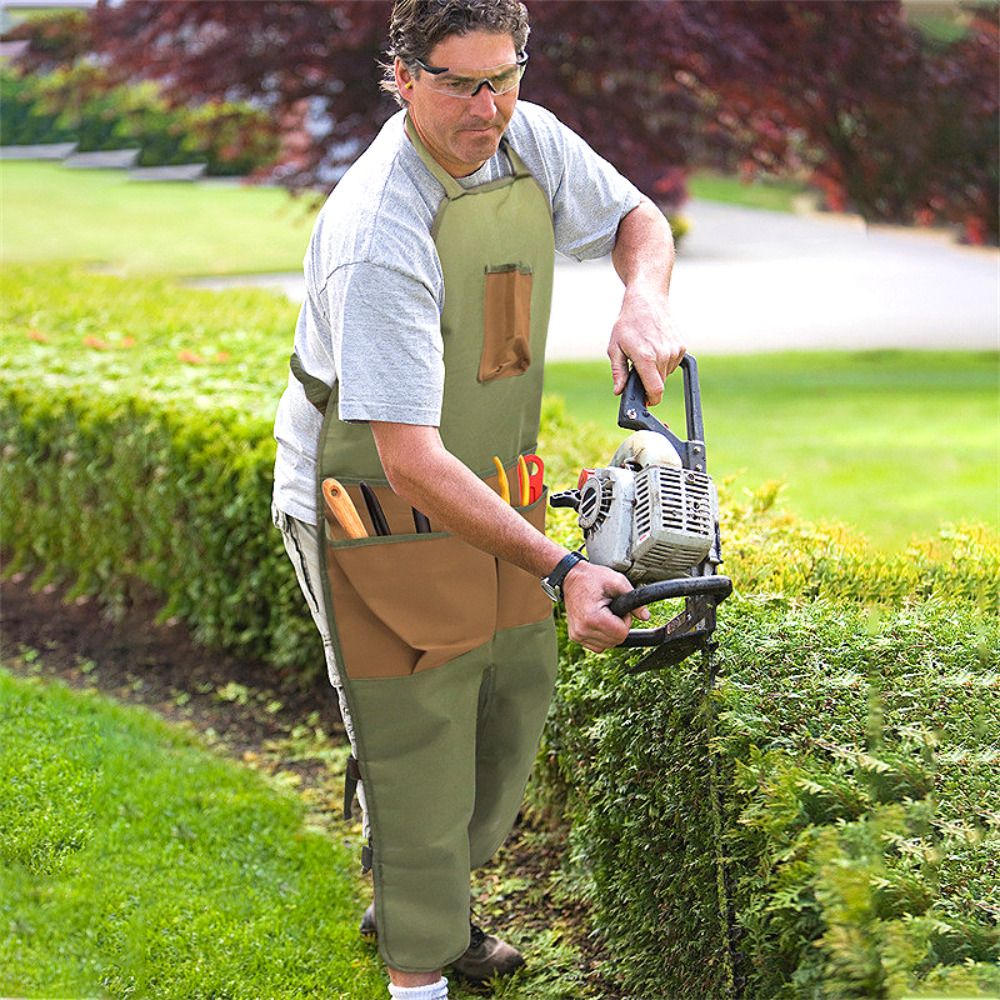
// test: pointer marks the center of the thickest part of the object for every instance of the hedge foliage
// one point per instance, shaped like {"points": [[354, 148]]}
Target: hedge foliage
{"points": [[80, 105], [136, 424], [815, 816], [812, 815]]}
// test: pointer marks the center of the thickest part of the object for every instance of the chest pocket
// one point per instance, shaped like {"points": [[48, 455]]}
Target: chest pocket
{"points": [[506, 322]]}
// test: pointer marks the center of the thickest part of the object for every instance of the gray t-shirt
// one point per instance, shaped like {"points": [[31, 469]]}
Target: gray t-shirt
{"points": [[375, 290]]}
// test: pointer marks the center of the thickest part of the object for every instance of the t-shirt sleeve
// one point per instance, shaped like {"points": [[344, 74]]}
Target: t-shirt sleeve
{"points": [[389, 357], [589, 199]]}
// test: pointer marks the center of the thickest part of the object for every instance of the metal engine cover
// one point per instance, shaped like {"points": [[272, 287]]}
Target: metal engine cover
{"points": [[653, 524], [674, 522]]}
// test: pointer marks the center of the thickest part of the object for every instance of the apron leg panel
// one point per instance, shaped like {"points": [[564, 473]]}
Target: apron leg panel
{"points": [[525, 661], [417, 738]]}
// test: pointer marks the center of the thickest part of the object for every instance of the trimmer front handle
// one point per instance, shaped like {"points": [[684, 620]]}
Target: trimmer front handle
{"points": [[716, 588], [684, 634]]}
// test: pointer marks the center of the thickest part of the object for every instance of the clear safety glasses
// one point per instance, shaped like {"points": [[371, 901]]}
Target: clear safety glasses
{"points": [[468, 83]]}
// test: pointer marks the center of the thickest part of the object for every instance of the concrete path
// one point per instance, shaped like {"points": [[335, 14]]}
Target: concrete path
{"points": [[752, 280], [108, 159]]}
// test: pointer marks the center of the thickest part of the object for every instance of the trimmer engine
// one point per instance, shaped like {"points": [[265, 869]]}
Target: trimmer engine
{"points": [[650, 523], [653, 515]]}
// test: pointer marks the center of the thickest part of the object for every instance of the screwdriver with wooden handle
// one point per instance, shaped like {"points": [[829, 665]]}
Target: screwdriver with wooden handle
{"points": [[341, 508]]}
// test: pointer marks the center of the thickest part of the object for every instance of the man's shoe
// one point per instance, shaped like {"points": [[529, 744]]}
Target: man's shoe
{"points": [[487, 956], [368, 923]]}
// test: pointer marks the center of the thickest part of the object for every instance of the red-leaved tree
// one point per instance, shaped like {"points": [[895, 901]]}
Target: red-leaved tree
{"points": [[890, 125], [886, 123]]}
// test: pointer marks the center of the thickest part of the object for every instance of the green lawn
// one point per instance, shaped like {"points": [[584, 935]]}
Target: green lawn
{"points": [[99, 217], [134, 863], [894, 443], [779, 196]]}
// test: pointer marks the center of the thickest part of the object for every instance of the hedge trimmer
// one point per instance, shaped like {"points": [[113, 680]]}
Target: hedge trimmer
{"points": [[652, 514]]}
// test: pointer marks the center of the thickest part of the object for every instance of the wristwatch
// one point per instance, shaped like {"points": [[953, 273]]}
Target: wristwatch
{"points": [[552, 584]]}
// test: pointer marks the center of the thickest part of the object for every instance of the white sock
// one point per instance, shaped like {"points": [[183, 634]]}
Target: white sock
{"points": [[436, 991]]}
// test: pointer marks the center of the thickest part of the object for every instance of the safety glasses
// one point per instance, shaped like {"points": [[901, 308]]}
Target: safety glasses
{"points": [[467, 83]]}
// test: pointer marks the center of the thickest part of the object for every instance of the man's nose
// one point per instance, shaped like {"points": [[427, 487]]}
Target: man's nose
{"points": [[481, 103]]}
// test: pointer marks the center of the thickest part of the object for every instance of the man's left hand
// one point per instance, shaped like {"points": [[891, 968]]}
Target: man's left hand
{"points": [[643, 335]]}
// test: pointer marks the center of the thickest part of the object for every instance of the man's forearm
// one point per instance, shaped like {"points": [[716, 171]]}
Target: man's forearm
{"points": [[644, 258], [426, 475], [644, 253]]}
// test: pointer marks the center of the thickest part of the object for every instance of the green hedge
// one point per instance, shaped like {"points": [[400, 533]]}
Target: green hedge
{"points": [[814, 816], [817, 817], [136, 424]]}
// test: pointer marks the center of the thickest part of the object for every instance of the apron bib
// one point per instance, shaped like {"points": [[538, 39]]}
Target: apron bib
{"points": [[447, 654]]}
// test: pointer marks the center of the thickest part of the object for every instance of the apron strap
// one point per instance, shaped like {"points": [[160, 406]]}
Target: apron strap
{"points": [[317, 392], [452, 188], [520, 170]]}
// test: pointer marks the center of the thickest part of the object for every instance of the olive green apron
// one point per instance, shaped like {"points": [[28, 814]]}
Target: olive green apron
{"points": [[448, 654]]}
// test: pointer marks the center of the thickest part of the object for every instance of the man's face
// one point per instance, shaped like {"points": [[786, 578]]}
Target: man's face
{"points": [[461, 133]]}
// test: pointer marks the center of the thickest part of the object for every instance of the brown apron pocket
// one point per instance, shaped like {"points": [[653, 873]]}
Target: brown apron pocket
{"points": [[506, 322], [520, 599], [404, 603]]}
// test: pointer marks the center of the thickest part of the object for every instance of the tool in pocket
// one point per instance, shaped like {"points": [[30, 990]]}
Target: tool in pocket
{"points": [[375, 512], [340, 508], [503, 487], [532, 468]]}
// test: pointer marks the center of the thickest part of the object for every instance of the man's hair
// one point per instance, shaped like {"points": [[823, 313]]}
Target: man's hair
{"points": [[417, 26]]}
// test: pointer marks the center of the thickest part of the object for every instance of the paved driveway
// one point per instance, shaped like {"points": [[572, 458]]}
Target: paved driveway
{"points": [[752, 280]]}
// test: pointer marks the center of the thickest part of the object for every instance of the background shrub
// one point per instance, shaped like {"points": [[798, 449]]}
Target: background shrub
{"points": [[81, 104], [23, 123]]}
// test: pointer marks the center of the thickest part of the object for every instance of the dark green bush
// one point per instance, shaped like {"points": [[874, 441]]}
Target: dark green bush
{"points": [[23, 123], [813, 816]]}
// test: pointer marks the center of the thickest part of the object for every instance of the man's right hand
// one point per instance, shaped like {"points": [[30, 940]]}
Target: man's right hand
{"points": [[587, 591]]}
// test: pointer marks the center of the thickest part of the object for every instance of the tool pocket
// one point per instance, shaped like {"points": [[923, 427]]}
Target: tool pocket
{"points": [[520, 598], [506, 322], [406, 603]]}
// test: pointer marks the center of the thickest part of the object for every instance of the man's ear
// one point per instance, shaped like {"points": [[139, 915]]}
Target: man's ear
{"points": [[404, 80]]}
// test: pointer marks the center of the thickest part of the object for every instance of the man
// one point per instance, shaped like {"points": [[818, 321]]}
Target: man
{"points": [[418, 358]]}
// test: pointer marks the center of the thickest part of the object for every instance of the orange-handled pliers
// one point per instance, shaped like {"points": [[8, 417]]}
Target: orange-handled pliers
{"points": [[531, 474]]}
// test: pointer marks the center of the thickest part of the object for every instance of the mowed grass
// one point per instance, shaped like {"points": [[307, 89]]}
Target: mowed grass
{"points": [[778, 196], [135, 863], [892, 443], [98, 217]]}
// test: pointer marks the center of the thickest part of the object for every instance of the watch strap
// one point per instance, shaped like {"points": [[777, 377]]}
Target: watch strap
{"points": [[552, 584]]}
